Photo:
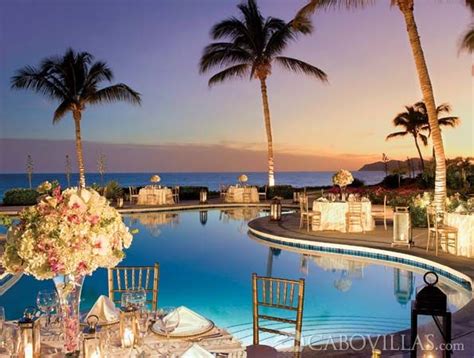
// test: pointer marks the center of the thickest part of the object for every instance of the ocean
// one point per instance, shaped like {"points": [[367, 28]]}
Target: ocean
{"points": [[210, 180]]}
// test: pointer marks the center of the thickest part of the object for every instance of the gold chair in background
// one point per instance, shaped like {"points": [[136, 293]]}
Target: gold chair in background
{"points": [[175, 192], [279, 294], [440, 233], [222, 191], [263, 194], [129, 278], [355, 216], [307, 216], [133, 194], [247, 195]]}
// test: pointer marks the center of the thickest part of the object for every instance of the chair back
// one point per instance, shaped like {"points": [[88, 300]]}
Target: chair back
{"points": [[434, 219], [355, 207], [175, 190], [129, 278], [278, 294], [132, 190], [304, 204]]}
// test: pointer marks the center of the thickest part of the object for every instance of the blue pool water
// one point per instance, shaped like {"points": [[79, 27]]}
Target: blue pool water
{"points": [[207, 266]]}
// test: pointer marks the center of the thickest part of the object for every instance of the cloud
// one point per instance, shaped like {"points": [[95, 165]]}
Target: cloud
{"points": [[49, 156]]}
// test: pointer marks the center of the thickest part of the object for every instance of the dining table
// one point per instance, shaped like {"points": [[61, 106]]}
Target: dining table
{"points": [[333, 216], [155, 195], [241, 194], [465, 225], [218, 342]]}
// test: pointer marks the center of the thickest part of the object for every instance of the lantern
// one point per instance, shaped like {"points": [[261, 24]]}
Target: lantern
{"points": [[203, 196], [92, 344], [30, 336], [403, 285], [401, 227], [431, 301], [129, 328], [275, 209]]}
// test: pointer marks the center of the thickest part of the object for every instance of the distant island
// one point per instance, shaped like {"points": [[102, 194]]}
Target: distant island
{"points": [[391, 165]]}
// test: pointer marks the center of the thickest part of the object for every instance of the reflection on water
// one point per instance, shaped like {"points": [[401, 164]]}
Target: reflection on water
{"points": [[207, 259]]}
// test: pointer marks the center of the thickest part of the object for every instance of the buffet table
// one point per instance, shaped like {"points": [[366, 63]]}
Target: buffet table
{"points": [[465, 225], [152, 195], [333, 215], [235, 194]]}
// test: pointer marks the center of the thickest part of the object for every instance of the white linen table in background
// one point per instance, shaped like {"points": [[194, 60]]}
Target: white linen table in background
{"points": [[236, 194], [465, 225], [151, 195], [333, 215]]}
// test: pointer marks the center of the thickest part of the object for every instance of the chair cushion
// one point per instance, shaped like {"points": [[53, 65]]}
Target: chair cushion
{"points": [[261, 351]]}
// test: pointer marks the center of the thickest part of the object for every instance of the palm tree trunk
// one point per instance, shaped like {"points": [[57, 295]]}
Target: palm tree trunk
{"points": [[80, 159], [268, 129], [406, 7], [419, 153]]}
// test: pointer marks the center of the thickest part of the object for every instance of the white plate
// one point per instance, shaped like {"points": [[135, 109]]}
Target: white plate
{"points": [[187, 333]]}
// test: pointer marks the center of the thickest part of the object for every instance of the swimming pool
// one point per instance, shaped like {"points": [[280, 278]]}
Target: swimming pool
{"points": [[207, 258]]}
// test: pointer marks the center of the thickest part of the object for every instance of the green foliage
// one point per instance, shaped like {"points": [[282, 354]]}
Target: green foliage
{"points": [[20, 197], [282, 191], [390, 181], [418, 216], [113, 190], [5, 221], [357, 183]]}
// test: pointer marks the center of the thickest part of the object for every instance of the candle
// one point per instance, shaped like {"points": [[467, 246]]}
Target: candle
{"points": [[95, 354], [29, 350], [128, 338]]}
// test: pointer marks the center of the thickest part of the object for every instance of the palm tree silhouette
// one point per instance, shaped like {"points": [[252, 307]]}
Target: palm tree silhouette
{"points": [[248, 47], [406, 7], [467, 42], [73, 80], [412, 123]]}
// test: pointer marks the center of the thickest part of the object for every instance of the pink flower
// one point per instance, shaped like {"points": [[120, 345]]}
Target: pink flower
{"points": [[93, 219]]}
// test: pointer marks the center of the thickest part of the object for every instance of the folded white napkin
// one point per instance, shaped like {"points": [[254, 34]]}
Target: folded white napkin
{"points": [[365, 199], [323, 199], [196, 351], [460, 209], [189, 321], [351, 197], [105, 309]]}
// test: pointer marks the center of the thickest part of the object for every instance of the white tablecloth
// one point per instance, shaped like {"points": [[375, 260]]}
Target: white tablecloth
{"points": [[236, 194], [155, 196], [465, 226], [333, 216]]}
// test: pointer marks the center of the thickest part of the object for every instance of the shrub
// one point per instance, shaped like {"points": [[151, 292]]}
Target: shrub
{"points": [[390, 181], [113, 190], [282, 191], [20, 197], [192, 192], [357, 183], [418, 216]]}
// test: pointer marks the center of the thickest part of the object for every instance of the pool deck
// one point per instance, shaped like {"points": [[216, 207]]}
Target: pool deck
{"points": [[380, 239]]}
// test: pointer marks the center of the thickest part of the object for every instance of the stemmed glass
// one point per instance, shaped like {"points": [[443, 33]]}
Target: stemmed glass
{"points": [[168, 320], [47, 301]]}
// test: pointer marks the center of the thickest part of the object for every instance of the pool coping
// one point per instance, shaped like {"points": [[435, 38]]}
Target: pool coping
{"points": [[462, 319]]}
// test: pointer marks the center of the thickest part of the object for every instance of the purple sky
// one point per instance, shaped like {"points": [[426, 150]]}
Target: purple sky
{"points": [[154, 46]]}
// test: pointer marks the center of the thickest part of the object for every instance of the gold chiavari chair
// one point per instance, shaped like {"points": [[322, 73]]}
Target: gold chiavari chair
{"points": [[355, 216], [307, 216], [175, 192], [129, 278], [247, 195], [222, 191], [278, 294], [133, 194], [440, 233]]}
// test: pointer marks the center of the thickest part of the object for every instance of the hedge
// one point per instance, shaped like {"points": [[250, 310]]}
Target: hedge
{"points": [[20, 197]]}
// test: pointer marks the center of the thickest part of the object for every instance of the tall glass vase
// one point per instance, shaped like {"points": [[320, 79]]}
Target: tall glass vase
{"points": [[69, 292]]}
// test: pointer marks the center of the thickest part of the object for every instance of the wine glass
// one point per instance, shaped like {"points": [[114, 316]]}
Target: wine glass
{"points": [[144, 321], [168, 320], [47, 301], [140, 298]]}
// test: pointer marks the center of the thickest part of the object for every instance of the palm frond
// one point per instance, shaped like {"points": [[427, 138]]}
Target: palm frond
{"points": [[222, 53], [449, 121], [424, 139], [299, 66], [61, 111], [31, 78], [467, 42], [397, 134], [279, 40], [238, 71], [443, 108], [98, 72], [114, 93]]}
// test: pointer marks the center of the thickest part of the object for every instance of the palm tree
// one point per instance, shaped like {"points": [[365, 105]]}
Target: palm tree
{"points": [[451, 121], [73, 81], [406, 7], [248, 47], [468, 38], [412, 123]]}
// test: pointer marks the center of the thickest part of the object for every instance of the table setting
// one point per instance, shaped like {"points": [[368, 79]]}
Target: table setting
{"points": [[241, 192]]}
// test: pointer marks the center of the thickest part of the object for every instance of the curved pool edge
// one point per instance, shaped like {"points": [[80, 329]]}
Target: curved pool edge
{"points": [[462, 319]]}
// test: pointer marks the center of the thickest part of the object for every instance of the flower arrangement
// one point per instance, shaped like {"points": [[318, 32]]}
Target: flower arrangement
{"points": [[342, 178], [73, 232], [243, 178], [155, 179]]}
